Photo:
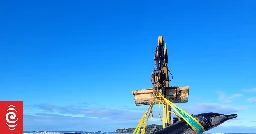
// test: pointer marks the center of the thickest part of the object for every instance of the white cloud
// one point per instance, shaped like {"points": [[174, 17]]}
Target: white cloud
{"points": [[212, 107], [252, 99], [250, 90], [227, 98], [234, 129], [240, 123]]}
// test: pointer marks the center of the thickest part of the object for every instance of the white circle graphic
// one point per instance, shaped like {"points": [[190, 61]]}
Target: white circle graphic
{"points": [[11, 118]]}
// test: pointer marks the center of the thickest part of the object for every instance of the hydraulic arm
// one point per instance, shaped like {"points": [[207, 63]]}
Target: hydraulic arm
{"points": [[160, 77]]}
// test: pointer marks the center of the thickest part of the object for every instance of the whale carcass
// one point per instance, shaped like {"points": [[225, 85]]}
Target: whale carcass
{"points": [[207, 120]]}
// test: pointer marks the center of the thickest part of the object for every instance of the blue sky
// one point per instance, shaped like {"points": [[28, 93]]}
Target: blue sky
{"points": [[75, 63]]}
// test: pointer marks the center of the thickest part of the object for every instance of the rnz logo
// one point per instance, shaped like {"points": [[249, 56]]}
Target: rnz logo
{"points": [[11, 118]]}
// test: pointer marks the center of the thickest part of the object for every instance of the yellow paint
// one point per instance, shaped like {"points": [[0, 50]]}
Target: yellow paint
{"points": [[164, 115], [160, 40]]}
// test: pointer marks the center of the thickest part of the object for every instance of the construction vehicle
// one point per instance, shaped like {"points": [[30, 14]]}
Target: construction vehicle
{"points": [[163, 93]]}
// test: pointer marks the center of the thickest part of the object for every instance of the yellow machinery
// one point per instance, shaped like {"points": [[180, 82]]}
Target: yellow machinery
{"points": [[161, 93]]}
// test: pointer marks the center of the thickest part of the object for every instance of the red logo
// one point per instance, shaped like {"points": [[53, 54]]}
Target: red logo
{"points": [[11, 117]]}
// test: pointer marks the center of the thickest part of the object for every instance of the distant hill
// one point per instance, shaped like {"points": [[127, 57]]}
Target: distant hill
{"points": [[149, 129]]}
